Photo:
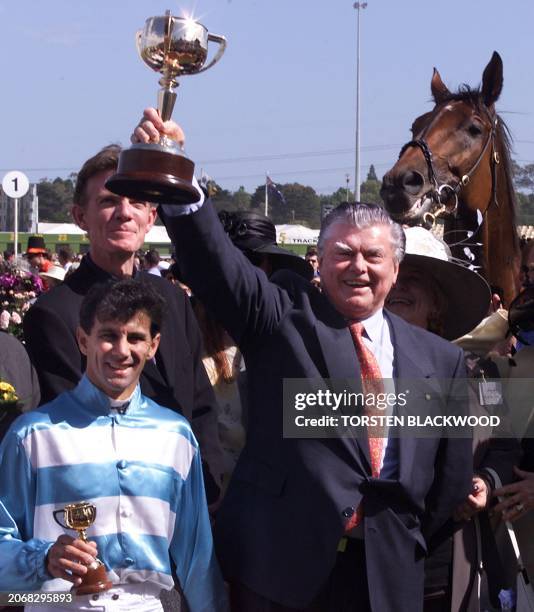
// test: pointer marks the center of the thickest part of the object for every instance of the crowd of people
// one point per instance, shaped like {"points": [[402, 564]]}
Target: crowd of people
{"points": [[156, 391]]}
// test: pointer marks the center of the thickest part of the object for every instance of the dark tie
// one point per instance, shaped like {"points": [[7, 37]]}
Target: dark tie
{"points": [[372, 383]]}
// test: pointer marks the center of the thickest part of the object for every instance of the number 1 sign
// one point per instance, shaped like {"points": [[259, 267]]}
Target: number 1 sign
{"points": [[16, 185]]}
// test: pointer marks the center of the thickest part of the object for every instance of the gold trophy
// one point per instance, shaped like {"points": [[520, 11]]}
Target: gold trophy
{"points": [[79, 517], [172, 46]]}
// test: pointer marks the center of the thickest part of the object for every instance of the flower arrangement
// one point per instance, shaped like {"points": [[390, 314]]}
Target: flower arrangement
{"points": [[17, 289], [10, 406], [8, 395]]}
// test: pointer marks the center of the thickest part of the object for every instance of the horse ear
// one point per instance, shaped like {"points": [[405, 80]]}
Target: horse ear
{"points": [[492, 80], [439, 90]]}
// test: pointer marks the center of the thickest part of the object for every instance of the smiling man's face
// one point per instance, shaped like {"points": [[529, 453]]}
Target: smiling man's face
{"points": [[358, 268], [116, 353], [116, 226]]}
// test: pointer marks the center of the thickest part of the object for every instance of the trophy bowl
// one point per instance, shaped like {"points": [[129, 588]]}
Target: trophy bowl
{"points": [[80, 516], [161, 173]]}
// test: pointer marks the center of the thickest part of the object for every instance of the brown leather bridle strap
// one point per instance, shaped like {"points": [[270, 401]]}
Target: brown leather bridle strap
{"points": [[437, 189]]}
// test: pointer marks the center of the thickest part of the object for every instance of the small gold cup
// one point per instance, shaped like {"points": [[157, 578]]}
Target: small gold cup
{"points": [[81, 516]]}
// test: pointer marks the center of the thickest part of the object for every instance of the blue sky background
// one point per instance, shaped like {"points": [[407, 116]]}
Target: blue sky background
{"points": [[281, 100]]}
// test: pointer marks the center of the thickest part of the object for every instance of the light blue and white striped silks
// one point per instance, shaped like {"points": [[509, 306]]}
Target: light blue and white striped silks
{"points": [[141, 470]]}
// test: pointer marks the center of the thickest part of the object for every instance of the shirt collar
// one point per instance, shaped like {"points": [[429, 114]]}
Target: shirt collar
{"points": [[96, 401], [373, 325]]}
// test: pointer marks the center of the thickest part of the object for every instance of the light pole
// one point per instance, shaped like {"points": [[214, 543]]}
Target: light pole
{"points": [[347, 179], [358, 6]]}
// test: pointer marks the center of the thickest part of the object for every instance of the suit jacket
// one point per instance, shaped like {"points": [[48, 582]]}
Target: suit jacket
{"points": [[16, 369], [289, 499], [178, 381]]}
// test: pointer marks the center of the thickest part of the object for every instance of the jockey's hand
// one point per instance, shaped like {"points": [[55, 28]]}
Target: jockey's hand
{"points": [[70, 554]]}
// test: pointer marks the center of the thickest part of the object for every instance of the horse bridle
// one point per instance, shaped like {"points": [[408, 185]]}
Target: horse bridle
{"points": [[438, 193]]}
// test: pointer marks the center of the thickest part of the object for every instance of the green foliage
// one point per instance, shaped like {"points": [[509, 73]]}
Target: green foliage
{"points": [[226, 200], [370, 192], [55, 199], [524, 184], [302, 204]]}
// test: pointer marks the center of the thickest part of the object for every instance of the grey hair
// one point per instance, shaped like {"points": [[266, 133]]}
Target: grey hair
{"points": [[361, 215]]}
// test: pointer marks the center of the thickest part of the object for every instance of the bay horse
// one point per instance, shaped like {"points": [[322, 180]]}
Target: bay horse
{"points": [[458, 166]]}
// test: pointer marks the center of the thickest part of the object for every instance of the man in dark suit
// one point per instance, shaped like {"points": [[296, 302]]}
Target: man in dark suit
{"points": [[176, 378], [293, 501]]}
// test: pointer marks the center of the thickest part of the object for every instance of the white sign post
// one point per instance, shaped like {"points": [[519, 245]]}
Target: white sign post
{"points": [[16, 185]]}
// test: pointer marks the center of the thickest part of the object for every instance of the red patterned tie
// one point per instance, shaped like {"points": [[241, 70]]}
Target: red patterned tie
{"points": [[372, 383]]}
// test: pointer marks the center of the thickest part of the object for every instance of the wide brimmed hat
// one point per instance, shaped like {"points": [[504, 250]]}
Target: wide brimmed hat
{"points": [[253, 232], [55, 272], [467, 294], [36, 245]]}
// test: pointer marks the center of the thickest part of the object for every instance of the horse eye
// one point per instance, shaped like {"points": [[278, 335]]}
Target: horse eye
{"points": [[474, 130]]}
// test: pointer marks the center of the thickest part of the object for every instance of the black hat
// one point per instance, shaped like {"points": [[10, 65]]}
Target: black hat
{"points": [[253, 232], [36, 244]]}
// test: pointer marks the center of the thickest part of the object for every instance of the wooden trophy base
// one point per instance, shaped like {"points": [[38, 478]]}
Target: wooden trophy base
{"points": [[152, 174], [95, 581]]}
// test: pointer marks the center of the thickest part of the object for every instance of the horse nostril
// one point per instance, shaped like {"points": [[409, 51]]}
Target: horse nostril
{"points": [[412, 182]]}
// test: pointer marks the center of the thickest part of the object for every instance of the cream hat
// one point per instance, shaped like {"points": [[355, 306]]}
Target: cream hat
{"points": [[56, 272], [486, 334], [468, 295]]}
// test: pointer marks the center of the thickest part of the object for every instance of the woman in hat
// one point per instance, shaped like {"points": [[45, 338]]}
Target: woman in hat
{"points": [[433, 292], [255, 235], [450, 300]]}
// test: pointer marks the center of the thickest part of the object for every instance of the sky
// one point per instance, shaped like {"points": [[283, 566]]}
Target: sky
{"points": [[281, 100]]}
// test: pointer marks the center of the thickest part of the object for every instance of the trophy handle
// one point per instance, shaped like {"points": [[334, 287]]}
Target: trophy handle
{"points": [[62, 511], [138, 35], [221, 40]]}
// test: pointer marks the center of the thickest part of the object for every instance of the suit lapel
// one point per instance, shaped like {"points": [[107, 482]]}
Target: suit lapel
{"points": [[406, 351], [407, 367]]}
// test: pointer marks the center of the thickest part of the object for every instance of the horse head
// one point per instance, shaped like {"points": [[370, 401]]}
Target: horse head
{"points": [[451, 144]]}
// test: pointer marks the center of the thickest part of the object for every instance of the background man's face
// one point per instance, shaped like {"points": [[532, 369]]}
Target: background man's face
{"points": [[313, 261], [117, 352], [36, 260], [358, 268], [114, 224]]}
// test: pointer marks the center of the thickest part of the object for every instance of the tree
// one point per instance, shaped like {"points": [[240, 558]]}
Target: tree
{"points": [[241, 199], [226, 200], [370, 188], [301, 205], [524, 184], [55, 199]]}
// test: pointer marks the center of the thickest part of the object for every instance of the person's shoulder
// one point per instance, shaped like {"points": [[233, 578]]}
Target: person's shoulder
{"points": [[163, 286], [10, 346], [57, 299], [169, 419], [39, 419], [422, 338]]}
